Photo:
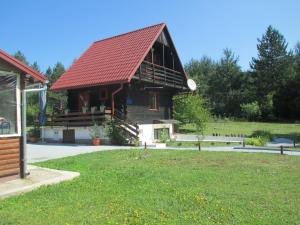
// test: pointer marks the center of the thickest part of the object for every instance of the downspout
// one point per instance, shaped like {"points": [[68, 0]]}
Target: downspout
{"points": [[113, 98]]}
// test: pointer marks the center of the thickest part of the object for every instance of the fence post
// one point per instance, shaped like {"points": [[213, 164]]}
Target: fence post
{"points": [[294, 143], [281, 150], [243, 143], [199, 146], [145, 146]]}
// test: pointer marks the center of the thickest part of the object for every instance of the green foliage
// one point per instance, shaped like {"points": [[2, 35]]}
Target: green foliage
{"points": [[57, 101], [272, 69], [251, 110], [117, 134], [255, 141], [201, 71], [191, 109], [266, 135], [272, 82], [20, 56], [36, 67], [95, 131], [164, 136], [287, 98], [32, 111], [34, 132]]}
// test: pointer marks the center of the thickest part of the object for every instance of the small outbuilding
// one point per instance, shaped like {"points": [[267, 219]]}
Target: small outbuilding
{"points": [[14, 77]]}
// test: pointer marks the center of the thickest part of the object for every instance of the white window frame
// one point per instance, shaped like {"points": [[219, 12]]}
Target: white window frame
{"points": [[18, 104]]}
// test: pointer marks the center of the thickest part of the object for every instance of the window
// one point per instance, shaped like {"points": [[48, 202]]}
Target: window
{"points": [[153, 101], [8, 104], [160, 131]]}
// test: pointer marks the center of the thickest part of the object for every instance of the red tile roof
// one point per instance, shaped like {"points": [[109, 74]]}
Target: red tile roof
{"points": [[112, 60], [21, 66]]}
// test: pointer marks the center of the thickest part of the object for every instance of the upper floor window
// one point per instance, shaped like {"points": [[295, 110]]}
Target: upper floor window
{"points": [[154, 101]]}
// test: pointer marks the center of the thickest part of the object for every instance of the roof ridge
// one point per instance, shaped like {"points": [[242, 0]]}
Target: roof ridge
{"points": [[144, 28]]}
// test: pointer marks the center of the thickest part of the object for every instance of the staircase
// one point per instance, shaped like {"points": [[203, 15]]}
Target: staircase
{"points": [[130, 127]]}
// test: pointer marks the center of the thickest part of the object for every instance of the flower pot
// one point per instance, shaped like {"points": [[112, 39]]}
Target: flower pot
{"points": [[96, 141], [33, 139], [93, 109], [84, 109]]}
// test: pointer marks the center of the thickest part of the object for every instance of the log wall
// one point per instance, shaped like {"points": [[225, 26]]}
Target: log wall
{"points": [[9, 156]]}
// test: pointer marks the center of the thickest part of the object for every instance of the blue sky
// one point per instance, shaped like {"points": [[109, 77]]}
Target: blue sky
{"points": [[51, 31]]}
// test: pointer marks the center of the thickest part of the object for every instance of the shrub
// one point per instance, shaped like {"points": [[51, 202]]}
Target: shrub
{"points": [[118, 135], [251, 110], [255, 141], [164, 136], [34, 132], [94, 131], [266, 135]]}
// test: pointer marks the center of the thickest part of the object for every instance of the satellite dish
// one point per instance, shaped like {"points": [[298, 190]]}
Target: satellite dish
{"points": [[191, 84]]}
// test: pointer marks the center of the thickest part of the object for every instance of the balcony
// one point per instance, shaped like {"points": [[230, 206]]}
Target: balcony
{"points": [[73, 119], [153, 73]]}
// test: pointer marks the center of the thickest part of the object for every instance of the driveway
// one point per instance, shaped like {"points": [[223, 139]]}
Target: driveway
{"points": [[43, 152]]}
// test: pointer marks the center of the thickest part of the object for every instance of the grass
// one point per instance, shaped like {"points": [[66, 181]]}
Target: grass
{"points": [[167, 187], [247, 128]]}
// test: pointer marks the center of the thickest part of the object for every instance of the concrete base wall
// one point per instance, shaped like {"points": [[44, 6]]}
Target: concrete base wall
{"points": [[146, 133], [82, 134]]}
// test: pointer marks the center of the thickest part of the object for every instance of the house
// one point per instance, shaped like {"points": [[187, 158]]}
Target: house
{"points": [[129, 77], [14, 77]]}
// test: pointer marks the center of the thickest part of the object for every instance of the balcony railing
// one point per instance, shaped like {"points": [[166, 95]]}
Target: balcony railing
{"points": [[154, 73], [72, 119]]}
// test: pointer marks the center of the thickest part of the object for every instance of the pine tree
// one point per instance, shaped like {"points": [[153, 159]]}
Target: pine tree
{"points": [[271, 69], [57, 101], [20, 56], [36, 67], [225, 85]]}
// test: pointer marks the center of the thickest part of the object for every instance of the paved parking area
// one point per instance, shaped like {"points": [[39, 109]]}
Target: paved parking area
{"points": [[44, 152]]}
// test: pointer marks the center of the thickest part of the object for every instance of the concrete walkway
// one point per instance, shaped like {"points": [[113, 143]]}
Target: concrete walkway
{"points": [[38, 177], [193, 137], [236, 149], [277, 142]]}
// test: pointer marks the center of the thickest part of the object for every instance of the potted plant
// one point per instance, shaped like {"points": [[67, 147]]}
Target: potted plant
{"points": [[95, 134], [93, 109], [34, 134], [84, 109]]}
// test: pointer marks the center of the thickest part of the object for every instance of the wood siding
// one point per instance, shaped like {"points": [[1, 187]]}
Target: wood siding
{"points": [[9, 156], [138, 109]]}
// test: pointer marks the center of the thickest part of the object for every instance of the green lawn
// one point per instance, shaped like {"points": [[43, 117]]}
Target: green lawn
{"points": [[168, 187], [246, 128]]}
